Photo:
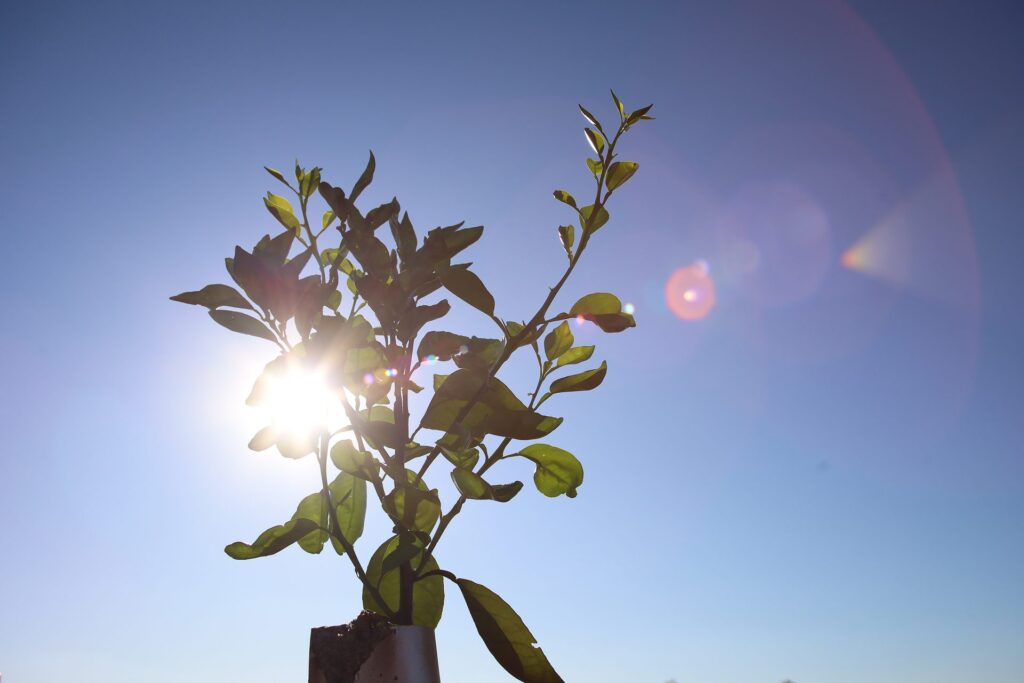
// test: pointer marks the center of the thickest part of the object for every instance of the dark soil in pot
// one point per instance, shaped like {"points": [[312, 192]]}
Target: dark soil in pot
{"points": [[336, 653]]}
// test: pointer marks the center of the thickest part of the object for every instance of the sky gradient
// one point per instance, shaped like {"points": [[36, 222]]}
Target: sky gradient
{"points": [[821, 480]]}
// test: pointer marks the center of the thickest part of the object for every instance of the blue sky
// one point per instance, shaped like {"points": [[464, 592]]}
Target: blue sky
{"points": [[822, 480]]}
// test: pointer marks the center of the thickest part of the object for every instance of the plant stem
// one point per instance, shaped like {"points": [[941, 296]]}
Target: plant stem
{"points": [[332, 515]]}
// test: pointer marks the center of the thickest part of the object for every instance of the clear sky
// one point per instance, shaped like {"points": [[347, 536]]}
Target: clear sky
{"points": [[821, 480]]}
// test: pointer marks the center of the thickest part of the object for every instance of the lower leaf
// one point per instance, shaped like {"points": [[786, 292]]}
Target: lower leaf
{"points": [[506, 636]]}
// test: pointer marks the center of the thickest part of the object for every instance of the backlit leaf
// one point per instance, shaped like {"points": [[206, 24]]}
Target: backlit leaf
{"points": [[242, 323], [575, 355], [364, 180], [583, 381], [558, 341], [558, 471], [214, 296], [281, 209], [506, 636], [619, 173], [427, 594], [567, 235], [467, 286], [592, 222], [565, 198]]}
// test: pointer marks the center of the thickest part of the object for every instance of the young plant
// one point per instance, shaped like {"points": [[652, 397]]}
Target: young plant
{"points": [[364, 364]]}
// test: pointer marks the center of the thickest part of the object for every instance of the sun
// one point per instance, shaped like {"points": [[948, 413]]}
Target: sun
{"points": [[299, 403]]}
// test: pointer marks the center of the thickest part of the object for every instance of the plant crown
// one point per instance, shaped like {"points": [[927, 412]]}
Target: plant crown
{"points": [[369, 356]]}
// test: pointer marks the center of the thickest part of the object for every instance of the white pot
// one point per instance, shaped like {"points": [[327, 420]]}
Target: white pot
{"points": [[409, 655]]}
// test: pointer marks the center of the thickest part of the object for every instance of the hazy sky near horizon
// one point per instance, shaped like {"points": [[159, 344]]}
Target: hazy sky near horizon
{"points": [[821, 480]]}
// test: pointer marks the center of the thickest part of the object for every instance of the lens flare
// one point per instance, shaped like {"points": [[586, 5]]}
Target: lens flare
{"points": [[690, 292]]}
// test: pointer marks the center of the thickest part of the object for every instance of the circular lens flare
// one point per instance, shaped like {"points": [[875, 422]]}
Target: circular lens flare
{"points": [[690, 292]]}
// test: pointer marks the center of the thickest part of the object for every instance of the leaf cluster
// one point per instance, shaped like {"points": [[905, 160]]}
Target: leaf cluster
{"points": [[363, 314]]}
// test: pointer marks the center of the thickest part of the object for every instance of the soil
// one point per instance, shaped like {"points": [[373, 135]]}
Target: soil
{"points": [[337, 652]]}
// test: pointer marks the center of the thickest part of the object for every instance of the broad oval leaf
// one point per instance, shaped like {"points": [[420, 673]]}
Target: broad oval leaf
{"points": [[575, 355], [619, 173], [348, 493], [281, 209], [565, 198], [467, 286], [242, 323], [473, 486], [427, 594], [558, 471], [592, 222], [273, 540], [347, 458], [596, 304], [506, 636], [558, 341], [307, 527], [583, 381], [214, 296], [440, 346]]}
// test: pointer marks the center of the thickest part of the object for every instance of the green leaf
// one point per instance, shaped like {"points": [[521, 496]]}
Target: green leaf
{"points": [[347, 458], [468, 287], [281, 209], [506, 636], [313, 508], [417, 507], [619, 173], [472, 485], [595, 304], [575, 355], [595, 139], [307, 527], [364, 180], [309, 181], [273, 540], [591, 119], [277, 174], [427, 594], [498, 411], [214, 296], [558, 471], [326, 220], [618, 105], [441, 345], [592, 222], [583, 381], [349, 495], [567, 234], [565, 198], [242, 323], [558, 341], [407, 550], [595, 167], [466, 459], [640, 114]]}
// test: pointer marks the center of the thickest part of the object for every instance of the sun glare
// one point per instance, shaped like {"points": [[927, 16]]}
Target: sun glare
{"points": [[299, 403]]}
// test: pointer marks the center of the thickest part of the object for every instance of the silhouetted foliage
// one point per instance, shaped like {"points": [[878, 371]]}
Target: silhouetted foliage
{"points": [[367, 353]]}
